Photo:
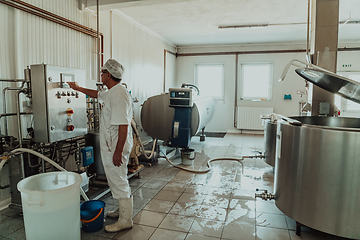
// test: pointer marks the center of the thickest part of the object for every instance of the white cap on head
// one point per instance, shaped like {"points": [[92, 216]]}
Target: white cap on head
{"points": [[114, 68]]}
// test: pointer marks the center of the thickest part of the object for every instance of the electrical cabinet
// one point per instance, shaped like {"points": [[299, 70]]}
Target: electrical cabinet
{"points": [[59, 111]]}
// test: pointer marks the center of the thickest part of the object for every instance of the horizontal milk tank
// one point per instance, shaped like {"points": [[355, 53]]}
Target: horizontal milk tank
{"points": [[317, 178], [157, 116]]}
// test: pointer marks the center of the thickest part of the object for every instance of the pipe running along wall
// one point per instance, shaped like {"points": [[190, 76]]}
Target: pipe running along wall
{"points": [[26, 7], [175, 54]]}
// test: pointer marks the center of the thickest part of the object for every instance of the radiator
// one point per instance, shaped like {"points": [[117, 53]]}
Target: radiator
{"points": [[249, 118]]}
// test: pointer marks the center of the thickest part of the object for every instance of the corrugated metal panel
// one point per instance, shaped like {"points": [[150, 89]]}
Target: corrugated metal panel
{"points": [[48, 42], [26, 39], [141, 53], [249, 118]]}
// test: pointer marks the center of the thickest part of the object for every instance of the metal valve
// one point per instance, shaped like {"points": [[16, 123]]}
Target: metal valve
{"points": [[264, 195]]}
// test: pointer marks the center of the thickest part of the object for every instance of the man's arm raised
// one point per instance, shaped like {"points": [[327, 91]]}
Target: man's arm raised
{"points": [[90, 92]]}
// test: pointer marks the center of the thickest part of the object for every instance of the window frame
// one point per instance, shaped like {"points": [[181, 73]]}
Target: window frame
{"points": [[343, 101], [242, 82], [215, 98]]}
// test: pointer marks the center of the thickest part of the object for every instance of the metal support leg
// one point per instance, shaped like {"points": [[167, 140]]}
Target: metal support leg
{"points": [[202, 135], [298, 228]]}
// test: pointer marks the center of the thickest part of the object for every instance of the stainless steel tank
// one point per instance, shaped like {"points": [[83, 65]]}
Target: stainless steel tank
{"points": [[270, 141], [317, 180], [157, 116], [93, 139]]}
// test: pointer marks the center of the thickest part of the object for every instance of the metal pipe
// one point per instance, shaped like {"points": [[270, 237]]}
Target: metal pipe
{"points": [[265, 195], [20, 131], [172, 53], [308, 31], [4, 103], [255, 52], [166, 51], [13, 80], [53, 15], [299, 63], [51, 18], [278, 116], [111, 30], [13, 114], [240, 53], [57, 19], [164, 70], [236, 87], [98, 42], [102, 49], [4, 187]]}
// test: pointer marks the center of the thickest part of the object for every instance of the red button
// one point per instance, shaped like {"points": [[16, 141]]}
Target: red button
{"points": [[70, 128], [69, 111]]}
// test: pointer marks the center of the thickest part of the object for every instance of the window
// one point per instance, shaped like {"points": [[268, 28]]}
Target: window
{"points": [[256, 81], [348, 105], [209, 78]]}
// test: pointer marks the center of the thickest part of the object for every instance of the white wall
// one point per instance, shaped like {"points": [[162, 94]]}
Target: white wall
{"points": [[26, 39], [223, 115], [141, 52], [223, 120], [348, 62]]}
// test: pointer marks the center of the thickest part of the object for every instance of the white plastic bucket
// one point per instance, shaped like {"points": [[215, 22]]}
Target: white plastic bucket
{"points": [[187, 156], [51, 205]]}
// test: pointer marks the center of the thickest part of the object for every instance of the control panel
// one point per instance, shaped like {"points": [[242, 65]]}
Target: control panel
{"points": [[181, 100], [180, 97], [59, 111]]}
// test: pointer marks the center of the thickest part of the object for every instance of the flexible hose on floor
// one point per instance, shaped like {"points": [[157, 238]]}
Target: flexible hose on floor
{"points": [[133, 124], [20, 150], [212, 160]]}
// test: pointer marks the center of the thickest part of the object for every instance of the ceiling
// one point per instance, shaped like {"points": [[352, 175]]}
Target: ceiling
{"points": [[196, 22]]}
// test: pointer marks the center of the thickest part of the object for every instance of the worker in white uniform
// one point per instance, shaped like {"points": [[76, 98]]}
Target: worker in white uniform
{"points": [[115, 139]]}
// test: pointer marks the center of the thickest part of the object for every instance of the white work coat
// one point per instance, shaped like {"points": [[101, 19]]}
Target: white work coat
{"points": [[116, 109]]}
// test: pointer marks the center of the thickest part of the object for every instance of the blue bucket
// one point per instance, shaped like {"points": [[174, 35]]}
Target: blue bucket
{"points": [[92, 215]]}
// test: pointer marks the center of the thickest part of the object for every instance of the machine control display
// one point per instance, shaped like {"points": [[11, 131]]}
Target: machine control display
{"points": [[180, 94], [66, 78], [180, 97]]}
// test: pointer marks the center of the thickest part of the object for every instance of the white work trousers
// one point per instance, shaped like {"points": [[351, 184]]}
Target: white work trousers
{"points": [[117, 176]]}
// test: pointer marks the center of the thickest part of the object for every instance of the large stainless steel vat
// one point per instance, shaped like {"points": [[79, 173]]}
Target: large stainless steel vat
{"points": [[317, 173], [270, 141]]}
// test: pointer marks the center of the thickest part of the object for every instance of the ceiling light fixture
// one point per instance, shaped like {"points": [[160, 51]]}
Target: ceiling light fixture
{"points": [[245, 26], [348, 21], [260, 25]]}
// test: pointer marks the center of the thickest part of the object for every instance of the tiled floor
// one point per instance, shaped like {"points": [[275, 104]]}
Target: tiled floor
{"points": [[174, 204]]}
